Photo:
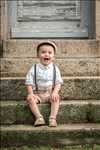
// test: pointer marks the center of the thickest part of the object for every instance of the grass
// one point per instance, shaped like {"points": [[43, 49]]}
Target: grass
{"points": [[80, 147]]}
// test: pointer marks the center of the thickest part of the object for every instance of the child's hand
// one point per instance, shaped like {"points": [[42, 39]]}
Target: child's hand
{"points": [[54, 96]]}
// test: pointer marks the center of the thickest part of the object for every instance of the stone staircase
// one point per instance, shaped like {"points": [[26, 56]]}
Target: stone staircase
{"points": [[79, 115]]}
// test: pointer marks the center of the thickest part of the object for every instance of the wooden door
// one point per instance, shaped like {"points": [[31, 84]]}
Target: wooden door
{"points": [[49, 18]]}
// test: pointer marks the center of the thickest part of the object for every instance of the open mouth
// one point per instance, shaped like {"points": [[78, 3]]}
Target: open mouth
{"points": [[46, 59]]}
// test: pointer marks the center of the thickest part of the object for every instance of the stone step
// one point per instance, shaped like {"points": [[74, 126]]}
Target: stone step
{"points": [[84, 88], [18, 67], [88, 111], [62, 135], [66, 48]]}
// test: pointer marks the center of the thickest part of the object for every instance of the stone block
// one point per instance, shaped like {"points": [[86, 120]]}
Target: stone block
{"points": [[16, 135], [69, 67], [73, 88], [13, 112], [66, 48]]}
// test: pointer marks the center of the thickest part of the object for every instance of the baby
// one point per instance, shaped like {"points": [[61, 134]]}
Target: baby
{"points": [[43, 83]]}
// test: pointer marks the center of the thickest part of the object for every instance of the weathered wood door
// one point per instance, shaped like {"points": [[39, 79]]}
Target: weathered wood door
{"points": [[49, 18]]}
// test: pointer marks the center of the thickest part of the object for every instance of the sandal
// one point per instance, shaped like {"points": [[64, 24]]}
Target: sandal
{"points": [[39, 121], [52, 122]]}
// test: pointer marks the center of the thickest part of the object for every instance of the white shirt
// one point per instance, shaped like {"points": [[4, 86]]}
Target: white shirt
{"points": [[44, 76]]}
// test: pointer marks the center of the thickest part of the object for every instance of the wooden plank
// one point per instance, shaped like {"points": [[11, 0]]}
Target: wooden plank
{"points": [[48, 18], [48, 10]]}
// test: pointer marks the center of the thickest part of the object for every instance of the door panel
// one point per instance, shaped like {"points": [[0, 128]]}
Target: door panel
{"points": [[49, 18]]}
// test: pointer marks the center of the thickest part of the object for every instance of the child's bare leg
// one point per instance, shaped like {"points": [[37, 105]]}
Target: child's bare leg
{"points": [[34, 107], [54, 108], [53, 114], [35, 110]]}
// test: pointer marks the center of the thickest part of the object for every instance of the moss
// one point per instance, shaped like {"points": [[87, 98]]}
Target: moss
{"points": [[23, 112], [71, 89], [93, 113], [98, 96], [48, 147], [72, 113], [50, 136]]}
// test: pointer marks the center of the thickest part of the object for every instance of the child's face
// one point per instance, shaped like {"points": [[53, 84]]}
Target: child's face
{"points": [[46, 54]]}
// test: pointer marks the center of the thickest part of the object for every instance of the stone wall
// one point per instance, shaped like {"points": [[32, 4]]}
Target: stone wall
{"points": [[3, 16], [98, 19], [16, 51]]}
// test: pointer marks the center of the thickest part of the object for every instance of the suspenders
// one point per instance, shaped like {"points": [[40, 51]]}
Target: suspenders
{"points": [[54, 77], [36, 86]]}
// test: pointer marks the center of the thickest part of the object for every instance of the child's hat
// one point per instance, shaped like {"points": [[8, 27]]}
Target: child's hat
{"points": [[47, 43]]}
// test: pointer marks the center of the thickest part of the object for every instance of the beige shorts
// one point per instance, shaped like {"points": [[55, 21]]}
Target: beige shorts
{"points": [[44, 96]]}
